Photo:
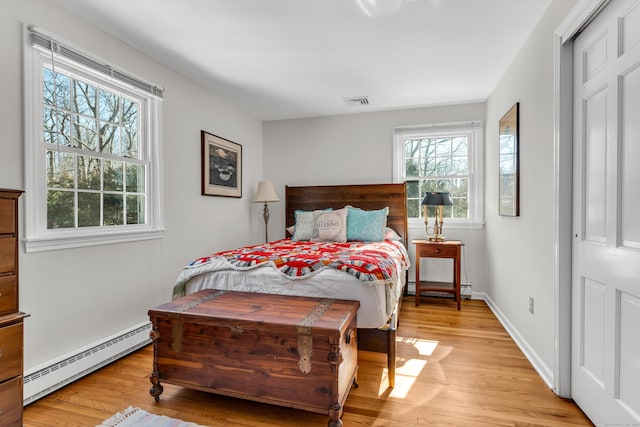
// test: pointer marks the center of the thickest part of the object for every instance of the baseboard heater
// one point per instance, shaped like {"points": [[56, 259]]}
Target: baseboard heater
{"points": [[53, 375]]}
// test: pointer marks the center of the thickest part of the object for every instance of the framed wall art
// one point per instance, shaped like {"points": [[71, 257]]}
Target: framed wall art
{"points": [[221, 166], [509, 162]]}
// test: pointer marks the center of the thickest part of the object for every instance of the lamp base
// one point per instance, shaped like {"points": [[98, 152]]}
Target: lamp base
{"points": [[437, 238]]}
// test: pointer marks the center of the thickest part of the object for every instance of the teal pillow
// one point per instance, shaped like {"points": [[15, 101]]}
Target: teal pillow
{"points": [[366, 226]]}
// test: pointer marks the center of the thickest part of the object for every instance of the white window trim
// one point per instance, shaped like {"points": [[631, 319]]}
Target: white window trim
{"points": [[37, 236], [476, 174]]}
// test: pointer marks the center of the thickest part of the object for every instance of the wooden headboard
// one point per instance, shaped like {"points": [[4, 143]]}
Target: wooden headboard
{"points": [[364, 196]]}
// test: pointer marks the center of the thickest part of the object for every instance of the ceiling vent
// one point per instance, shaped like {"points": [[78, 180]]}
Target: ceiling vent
{"points": [[357, 101]]}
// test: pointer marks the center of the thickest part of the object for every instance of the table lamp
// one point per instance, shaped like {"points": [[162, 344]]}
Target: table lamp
{"points": [[265, 194], [439, 200]]}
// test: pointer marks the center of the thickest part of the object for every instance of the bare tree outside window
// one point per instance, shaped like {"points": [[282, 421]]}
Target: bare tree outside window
{"points": [[95, 174], [437, 163]]}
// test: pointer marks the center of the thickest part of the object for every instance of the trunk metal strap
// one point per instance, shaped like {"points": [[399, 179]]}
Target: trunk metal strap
{"points": [[305, 339], [197, 302]]}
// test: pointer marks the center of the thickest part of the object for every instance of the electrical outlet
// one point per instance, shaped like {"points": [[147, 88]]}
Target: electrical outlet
{"points": [[531, 305]]}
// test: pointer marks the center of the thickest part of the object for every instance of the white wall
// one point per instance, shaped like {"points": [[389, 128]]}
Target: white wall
{"points": [[76, 297], [357, 149], [521, 249]]}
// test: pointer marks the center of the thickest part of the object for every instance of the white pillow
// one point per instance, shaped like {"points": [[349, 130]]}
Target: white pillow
{"points": [[330, 226], [390, 234], [304, 227]]}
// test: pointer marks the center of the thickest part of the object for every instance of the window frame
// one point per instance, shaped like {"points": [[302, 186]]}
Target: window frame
{"points": [[476, 161], [37, 236]]}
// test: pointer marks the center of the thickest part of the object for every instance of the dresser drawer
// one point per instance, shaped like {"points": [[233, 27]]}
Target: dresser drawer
{"points": [[437, 250], [8, 294], [7, 216], [11, 402], [10, 351], [7, 255]]}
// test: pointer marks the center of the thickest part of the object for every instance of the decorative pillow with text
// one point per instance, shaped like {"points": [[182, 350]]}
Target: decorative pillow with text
{"points": [[330, 226]]}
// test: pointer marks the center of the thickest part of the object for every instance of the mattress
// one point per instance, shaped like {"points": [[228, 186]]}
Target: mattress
{"points": [[378, 298]]}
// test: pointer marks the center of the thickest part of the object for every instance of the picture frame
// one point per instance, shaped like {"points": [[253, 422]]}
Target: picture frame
{"points": [[509, 162], [221, 166]]}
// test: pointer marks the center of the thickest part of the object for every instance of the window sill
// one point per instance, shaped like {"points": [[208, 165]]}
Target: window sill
{"points": [[449, 225], [94, 239]]}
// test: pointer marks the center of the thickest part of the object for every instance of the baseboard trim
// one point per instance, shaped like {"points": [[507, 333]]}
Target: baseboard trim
{"points": [[538, 364], [55, 374]]}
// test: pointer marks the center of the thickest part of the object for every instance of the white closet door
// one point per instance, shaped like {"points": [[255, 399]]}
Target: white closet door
{"points": [[605, 375]]}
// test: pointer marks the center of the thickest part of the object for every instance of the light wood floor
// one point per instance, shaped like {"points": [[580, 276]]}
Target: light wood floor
{"points": [[454, 369]]}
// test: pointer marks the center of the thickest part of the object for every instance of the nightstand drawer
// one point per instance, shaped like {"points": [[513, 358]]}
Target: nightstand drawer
{"points": [[8, 294], [437, 250], [8, 255], [11, 402], [10, 351]]}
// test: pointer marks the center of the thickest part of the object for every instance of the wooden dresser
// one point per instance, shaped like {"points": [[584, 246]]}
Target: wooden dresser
{"points": [[11, 319]]}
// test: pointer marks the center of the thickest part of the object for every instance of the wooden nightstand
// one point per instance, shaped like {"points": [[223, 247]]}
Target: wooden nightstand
{"points": [[448, 249]]}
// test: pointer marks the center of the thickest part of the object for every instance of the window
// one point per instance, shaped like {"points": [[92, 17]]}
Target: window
{"points": [[444, 157], [92, 144]]}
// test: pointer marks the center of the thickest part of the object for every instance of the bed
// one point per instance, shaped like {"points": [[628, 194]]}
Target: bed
{"points": [[380, 299]]}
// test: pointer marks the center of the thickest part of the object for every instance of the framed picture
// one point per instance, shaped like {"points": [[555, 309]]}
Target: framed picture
{"points": [[509, 161], [221, 166]]}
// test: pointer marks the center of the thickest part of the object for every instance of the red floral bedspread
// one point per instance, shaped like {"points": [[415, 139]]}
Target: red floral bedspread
{"points": [[369, 262]]}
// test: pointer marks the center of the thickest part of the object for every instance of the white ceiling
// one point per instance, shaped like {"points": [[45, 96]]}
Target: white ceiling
{"points": [[280, 59]]}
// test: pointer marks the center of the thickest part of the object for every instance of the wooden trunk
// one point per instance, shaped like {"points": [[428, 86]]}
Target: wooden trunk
{"points": [[284, 350]]}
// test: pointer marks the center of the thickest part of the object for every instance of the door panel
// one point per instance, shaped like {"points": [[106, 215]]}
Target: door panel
{"points": [[629, 351], [630, 88], [595, 128], [605, 374]]}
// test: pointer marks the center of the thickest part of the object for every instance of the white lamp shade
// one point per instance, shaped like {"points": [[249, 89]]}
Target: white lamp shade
{"points": [[265, 193]]}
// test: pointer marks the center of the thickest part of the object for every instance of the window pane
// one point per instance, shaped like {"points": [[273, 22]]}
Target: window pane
{"points": [[85, 133], [88, 209], [64, 128], [429, 185], [459, 187], [135, 209], [443, 147], [47, 86], [50, 132], [109, 107], [135, 178], [444, 185], [129, 113], [460, 207], [88, 173], [444, 167], [460, 146], [109, 139], [61, 169], [60, 208], [113, 175], [84, 100], [428, 147], [411, 167], [56, 89], [413, 208], [411, 147], [113, 206], [130, 143], [413, 189], [459, 166]]}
